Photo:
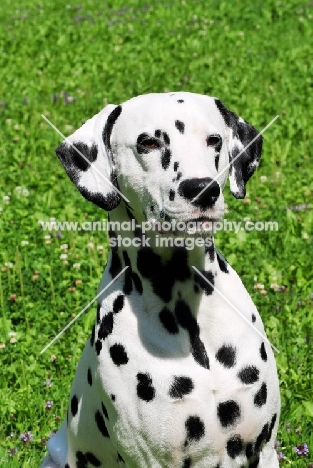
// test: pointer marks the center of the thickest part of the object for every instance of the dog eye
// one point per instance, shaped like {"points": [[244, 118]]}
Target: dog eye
{"points": [[150, 144], [145, 143], [213, 140]]}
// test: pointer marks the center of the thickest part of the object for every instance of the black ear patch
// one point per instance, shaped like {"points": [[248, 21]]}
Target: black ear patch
{"points": [[243, 141], [80, 161]]}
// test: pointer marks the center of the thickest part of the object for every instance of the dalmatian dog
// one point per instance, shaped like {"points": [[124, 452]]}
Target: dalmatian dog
{"points": [[172, 375]]}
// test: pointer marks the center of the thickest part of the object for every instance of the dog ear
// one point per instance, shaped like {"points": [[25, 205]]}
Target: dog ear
{"points": [[240, 135], [88, 159]]}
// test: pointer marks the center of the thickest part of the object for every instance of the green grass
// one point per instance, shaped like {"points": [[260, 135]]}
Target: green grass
{"points": [[256, 57]]}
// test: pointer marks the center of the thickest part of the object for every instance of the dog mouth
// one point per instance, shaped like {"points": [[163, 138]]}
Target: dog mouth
{"points": [[176, 226]]}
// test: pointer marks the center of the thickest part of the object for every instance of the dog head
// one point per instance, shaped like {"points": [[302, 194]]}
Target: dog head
{"points": [[168, 155]]}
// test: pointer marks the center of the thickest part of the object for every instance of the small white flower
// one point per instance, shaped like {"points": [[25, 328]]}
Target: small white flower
{"points": [[9, 264], [64, 247], [263, 178], [24, 242], [76, 266], [90, 245], [277, 174], [16, 127], [11, 334], [6, 199], [47, 236], [100, 247], [18, 189], [63, 256], [25, 192]]}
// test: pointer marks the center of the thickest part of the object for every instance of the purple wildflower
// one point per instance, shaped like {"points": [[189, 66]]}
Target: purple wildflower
{"points": [[25, 101], [51, 434], [311, 295], [12, 451], [301, 449], [281, 456], [277, 444], [49, 404], [28, 437], [47, 383], [54, 98]]}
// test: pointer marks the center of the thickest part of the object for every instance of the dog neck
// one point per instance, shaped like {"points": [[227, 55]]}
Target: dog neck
{"points": [[162, 264]]}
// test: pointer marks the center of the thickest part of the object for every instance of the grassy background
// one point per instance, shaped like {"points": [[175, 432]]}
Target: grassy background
{"points": [[66, 61]]}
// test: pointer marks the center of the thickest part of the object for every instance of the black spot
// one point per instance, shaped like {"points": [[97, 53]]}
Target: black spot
{"points": [[196, 288], [180, 126], [249, 450], [118, 354], [78, 153], [234, 446], [221, 262], [249, 375], [108, 128], [92, 336], [176, 164], [226, 355], [180, 101], [74, 405], [128, 284], [148, 263], [195, 428], [187, 463], [118, 303], [168, 321], [261, 439], [228, 413], [98, 347], [179, 175], [89, 377], [172, 195], [261, 396], [120, 458], [263, 352], [145, 389], [101, 424], [273, 421], [104, 410], [67, 465], [83, 460], [255, 463], [181, 387], [158, 133], [98, 312], [137, 283], [112, 396], [206, 286], [116, 264], [163, 277], [106, 326], [166, 138], [209, 249], [166, 158], [187, 321], [113, 239], [253, 318]]}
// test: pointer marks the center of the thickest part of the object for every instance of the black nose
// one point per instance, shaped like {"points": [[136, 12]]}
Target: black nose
{"points": [[193, 190]]}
